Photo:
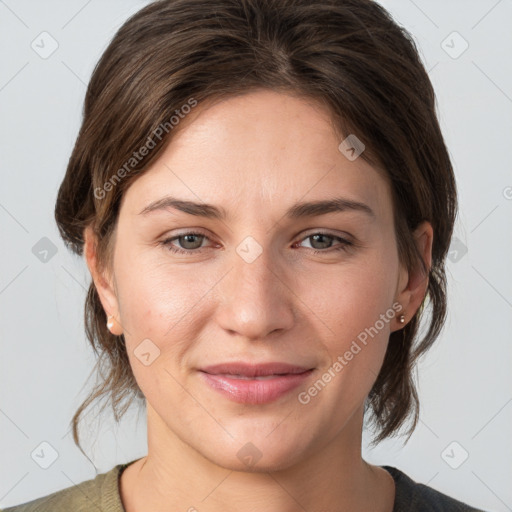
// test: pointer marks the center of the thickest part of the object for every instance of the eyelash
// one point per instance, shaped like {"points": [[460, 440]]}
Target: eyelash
{"points": [[167, 243]]}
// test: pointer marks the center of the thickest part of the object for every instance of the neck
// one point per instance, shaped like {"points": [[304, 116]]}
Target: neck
{"points": [[333, 477]]}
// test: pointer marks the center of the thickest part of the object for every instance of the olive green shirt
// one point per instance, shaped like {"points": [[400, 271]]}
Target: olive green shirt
{"points": [[102, 494]]}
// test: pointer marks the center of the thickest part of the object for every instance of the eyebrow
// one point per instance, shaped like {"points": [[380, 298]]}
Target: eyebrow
{"points": [[298, 210]]}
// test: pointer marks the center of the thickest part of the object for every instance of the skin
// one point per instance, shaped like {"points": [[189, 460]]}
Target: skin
{"points": [[256, 155]]}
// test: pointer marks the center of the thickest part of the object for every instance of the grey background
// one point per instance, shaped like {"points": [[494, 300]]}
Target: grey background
{"points": [[464, 382]]}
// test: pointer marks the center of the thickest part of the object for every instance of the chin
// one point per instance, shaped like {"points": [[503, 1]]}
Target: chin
{"points": [[258, 454]]}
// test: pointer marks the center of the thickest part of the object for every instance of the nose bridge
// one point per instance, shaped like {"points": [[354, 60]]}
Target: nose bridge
{"points": [[255, 299]]}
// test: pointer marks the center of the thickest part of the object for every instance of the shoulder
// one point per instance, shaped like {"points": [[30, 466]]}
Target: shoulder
{"points": [[99, 493], [415, 497]]}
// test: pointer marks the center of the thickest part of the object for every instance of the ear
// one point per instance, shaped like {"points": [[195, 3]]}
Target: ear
{"points": [[412, 285], [102, 281]]}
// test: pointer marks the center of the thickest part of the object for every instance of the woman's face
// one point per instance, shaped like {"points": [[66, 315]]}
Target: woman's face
{"points": [[263, 276]]}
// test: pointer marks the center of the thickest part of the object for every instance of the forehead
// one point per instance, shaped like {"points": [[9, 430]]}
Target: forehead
{"points": [[261, 150]]}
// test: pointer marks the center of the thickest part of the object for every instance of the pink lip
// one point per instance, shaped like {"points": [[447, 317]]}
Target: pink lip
{"points": [[282, 378]]}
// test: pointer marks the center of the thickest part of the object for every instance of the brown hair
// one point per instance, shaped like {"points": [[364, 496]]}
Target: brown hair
{"points": [[350, 56]]}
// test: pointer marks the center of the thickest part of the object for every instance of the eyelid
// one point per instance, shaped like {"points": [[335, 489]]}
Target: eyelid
{"points": [[321, 231], [188, 231]]}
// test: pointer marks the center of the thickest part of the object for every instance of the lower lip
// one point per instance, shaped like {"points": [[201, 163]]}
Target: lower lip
{"points": [[252, 391]]}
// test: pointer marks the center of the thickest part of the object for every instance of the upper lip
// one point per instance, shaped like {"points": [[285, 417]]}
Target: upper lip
{"points": [[253, 370]]}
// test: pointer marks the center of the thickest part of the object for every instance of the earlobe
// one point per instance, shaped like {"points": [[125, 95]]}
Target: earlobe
{"points": [[114, 326]]}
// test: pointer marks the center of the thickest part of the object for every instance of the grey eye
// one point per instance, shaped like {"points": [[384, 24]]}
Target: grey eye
{"points": [[188, 242]]}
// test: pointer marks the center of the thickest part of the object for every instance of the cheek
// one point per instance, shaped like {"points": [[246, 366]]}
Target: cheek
{"points": [[156, 297], [351, 296], [352, 305], [355, 353], [162, 307]]}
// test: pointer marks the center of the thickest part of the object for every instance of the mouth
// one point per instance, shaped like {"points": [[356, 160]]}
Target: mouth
{"points": [[254, 383], [245, 377]]}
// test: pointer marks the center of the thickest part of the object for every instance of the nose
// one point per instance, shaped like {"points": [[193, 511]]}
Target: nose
{"points": [[256, 297]]}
